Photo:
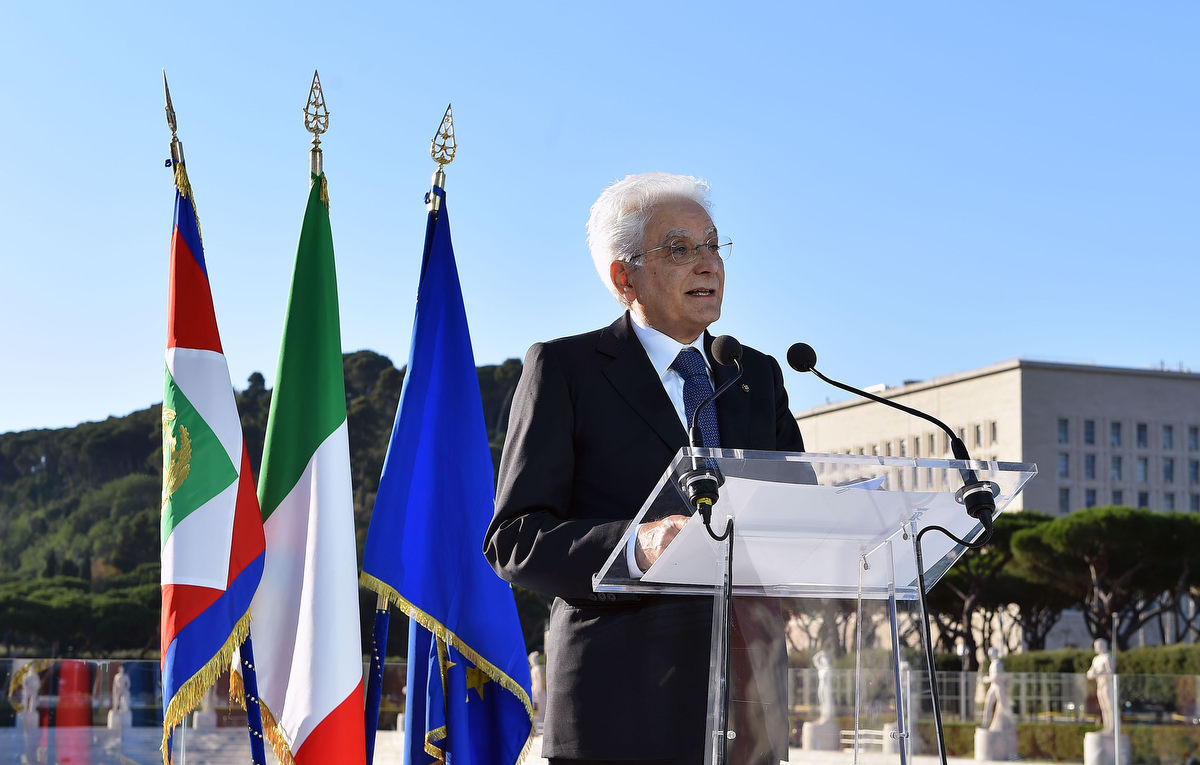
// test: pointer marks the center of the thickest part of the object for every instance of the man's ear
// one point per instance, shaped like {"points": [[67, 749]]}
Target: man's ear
{"points": [[619, 272]]}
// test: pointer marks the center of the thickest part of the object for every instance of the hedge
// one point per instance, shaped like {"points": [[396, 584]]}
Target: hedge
{"points": [[1147, 660]]}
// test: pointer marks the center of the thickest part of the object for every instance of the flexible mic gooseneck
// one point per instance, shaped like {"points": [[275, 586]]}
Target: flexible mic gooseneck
{"points": [[977, 496]]}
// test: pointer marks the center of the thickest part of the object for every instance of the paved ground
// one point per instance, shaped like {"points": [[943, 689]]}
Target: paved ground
{"points": [[228, 746]]}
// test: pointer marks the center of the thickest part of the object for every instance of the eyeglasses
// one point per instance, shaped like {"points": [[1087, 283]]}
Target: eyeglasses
{"points": [[681, 254]]}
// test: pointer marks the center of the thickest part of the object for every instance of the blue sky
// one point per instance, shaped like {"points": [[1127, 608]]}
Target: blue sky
{"points": [[913, 188]]}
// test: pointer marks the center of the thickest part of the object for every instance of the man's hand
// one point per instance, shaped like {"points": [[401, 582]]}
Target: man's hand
{"points": [[653, 538]]}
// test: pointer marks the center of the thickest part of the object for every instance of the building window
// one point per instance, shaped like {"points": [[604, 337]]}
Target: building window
{"points": [[903, 447], [1063, 432], [1143, 469], [1118, 497], [1089, 431], [1143, 499], [1143, 435], [1064, 466], [1193, 471], [1193, 438], [1169, 500], [1089, 467], [1114, 434], [932, 444], [995, 431], [1194, 503], [1064, 501], [1114, 472], [1089, 498], [874, 450], [979, 435], [1168, 434], [945, 442], [887, 449], [1168, 470]]}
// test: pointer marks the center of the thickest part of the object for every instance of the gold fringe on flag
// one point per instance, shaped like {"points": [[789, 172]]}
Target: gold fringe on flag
{"points": [[190, 694], [444, 635], [271, 730]]}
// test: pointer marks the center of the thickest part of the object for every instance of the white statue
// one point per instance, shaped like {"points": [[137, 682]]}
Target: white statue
{"points": [[997, 706], [1102, 672], [822, 734], [206, 715], [824, 685], [120, 716], [537, 677], [31, 685], [120, 690]]}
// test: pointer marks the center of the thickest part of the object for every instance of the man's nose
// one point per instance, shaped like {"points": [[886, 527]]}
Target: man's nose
{"points": [[707, 261]]}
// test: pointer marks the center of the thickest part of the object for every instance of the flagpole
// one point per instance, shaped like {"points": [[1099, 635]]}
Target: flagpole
{"points": [[253, 713], [375, 681], [441, 149], [258, 753]]}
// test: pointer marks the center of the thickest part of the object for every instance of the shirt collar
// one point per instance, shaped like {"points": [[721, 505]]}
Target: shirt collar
{"points": [[662, 349]]}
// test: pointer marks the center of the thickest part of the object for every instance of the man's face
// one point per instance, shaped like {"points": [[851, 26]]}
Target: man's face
{"points": [[679, 301]]}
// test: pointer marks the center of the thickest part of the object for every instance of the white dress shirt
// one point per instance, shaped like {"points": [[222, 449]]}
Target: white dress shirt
{"points": [[662, 351]]}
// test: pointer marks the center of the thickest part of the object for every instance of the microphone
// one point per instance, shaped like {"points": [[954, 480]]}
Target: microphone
{"points": [[978, 497], [700, 484], [726, 351]]}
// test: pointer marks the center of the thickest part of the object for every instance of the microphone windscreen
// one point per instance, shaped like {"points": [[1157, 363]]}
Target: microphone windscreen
{"points": [[801, 357], [726, 350]]}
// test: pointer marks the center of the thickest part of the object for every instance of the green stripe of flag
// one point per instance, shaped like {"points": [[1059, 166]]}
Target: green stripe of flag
{"points": [[196, 450], [309, 401]]}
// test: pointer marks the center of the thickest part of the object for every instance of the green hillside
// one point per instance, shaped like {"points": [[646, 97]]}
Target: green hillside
{"points": [[79, 513]]}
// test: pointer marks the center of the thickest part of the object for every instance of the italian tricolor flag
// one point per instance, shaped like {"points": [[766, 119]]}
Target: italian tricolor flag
{"points": [[305, 613]]}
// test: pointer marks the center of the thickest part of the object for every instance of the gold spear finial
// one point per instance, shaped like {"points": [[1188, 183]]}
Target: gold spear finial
{"points": [[176, 145], [176, 160], [316, 121], [442, 149]]}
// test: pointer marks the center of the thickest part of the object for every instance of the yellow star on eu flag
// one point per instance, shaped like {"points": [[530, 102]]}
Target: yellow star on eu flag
{"points": [[476, 678]]}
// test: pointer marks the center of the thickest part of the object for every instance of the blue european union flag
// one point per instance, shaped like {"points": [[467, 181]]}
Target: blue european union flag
{"points": [[468, 675]]}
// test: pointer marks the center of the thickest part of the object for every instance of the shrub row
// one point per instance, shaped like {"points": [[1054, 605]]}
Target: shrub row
{"points": [[1147, 660]]}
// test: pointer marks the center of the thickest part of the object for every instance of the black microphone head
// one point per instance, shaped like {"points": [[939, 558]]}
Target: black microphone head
{"points": [[801, 357], [726, 350]]}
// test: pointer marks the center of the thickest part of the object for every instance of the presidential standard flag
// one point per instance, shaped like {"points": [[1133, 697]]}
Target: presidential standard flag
{"points": [[212, 534], [306, 629], [468, 675]]}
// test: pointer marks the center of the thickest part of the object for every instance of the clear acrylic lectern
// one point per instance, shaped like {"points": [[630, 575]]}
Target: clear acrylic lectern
{"points": [[822, 540]]}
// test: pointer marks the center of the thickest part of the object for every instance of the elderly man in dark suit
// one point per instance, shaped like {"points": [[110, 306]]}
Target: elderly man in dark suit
{"points": [[595, 421]]}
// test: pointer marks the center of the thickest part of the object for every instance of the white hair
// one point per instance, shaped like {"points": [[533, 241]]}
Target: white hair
{"points": [[618, 220]]}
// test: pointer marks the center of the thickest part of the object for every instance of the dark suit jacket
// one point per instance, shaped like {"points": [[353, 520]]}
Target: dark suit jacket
{"points": [[590, 433]]}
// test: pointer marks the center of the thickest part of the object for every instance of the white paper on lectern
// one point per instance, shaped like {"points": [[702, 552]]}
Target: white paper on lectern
{"points": [[776, 540]]}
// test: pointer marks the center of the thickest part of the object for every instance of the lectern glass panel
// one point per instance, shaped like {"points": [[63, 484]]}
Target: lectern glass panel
{"points": [[816, 638]]}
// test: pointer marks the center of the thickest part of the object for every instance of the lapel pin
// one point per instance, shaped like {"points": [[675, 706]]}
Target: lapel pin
{"points": [[745, 388]]}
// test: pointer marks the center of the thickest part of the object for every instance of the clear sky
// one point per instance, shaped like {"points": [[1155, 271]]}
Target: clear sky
{"points": [[913, 188]]}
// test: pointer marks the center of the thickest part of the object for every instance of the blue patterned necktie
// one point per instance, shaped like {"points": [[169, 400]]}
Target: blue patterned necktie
{"points": [[696, 387]]}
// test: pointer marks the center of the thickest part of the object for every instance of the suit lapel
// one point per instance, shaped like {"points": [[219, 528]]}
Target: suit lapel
{"points": [[631, 373], [733, 406]]}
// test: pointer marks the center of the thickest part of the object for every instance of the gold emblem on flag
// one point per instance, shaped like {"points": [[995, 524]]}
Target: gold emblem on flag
{"points": [[177, 456]]}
